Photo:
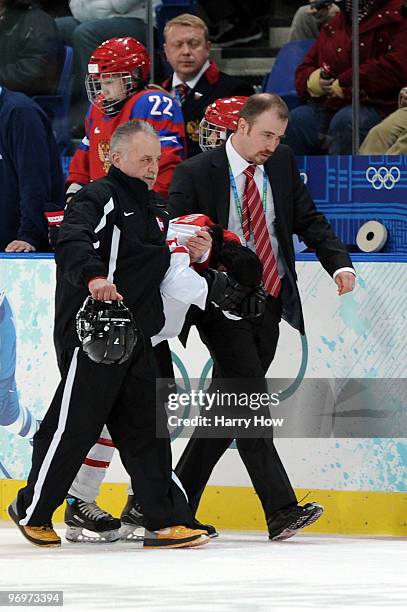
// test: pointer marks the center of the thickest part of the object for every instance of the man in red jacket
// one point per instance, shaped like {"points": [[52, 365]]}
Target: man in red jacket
{"points": [[324, 79]]}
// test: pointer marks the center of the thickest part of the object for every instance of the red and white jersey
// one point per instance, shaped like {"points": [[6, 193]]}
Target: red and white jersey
{"points": [[180, 288], [159, 109], [188, 225]]}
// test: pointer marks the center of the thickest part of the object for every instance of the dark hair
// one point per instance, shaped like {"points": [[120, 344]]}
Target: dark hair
{"points": [[259, 103], [240, 262]]}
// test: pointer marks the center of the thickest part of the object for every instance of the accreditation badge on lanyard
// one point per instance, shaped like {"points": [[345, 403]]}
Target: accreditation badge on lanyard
{"points": [[237, 199]]}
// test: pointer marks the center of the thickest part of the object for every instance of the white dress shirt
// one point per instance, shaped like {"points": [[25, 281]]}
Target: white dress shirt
{"points": [[192, 82], [238, 165]]}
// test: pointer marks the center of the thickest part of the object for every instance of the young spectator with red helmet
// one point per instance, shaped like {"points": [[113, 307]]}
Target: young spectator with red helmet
{"points": [[117, 89], [219, 121]]}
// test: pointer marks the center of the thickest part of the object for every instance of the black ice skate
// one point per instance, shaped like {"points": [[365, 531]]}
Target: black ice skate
{"points": [[132, 520], [287, 521], [82, 517]]}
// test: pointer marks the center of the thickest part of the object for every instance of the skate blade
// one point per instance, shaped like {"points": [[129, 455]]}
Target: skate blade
{"points": [[131, 533], [84, 536], [201, 541]]}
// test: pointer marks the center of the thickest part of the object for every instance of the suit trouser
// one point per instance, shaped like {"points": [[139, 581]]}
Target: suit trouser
{"points": [[240, 349], [90, 395]]}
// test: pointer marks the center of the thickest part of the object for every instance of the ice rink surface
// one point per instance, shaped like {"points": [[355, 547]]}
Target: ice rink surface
{"points": [[237, 571]]}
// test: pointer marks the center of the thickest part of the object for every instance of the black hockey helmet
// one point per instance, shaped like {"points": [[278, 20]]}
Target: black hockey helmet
{"points": [[107, 331]]}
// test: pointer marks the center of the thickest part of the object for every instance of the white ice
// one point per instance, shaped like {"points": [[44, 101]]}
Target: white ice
{"points": [[237, 571]]}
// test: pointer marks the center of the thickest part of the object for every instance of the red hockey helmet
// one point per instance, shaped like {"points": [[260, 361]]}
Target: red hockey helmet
{"points": [[220, 118], [115, 71]]}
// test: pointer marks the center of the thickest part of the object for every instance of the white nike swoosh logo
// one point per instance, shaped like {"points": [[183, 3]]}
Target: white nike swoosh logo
{"points": [[127, 214]]}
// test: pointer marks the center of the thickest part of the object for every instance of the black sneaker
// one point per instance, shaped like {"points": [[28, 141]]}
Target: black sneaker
{"points": [[81, 515], [132, 521], [287, 521], [210, 529], [240, 34]]}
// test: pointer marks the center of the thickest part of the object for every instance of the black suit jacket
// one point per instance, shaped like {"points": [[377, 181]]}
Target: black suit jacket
{"points": [[201, 185], [212, 85]]}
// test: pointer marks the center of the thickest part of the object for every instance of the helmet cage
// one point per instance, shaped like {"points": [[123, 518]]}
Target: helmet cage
{"points": [[211, 135], [96, 96]]}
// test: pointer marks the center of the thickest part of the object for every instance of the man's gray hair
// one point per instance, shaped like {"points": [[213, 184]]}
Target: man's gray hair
{"points": [[124, 132]]}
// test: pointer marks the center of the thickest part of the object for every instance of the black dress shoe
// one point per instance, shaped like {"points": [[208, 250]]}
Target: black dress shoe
{"points": [[286, 522]]}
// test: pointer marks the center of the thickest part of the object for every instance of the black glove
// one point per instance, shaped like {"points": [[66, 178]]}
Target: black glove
{"points": [[253, 305], [224, 291]]}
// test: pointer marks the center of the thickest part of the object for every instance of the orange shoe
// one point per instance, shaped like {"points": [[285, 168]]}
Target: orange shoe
{"points": [[175, 537], [40, 536]]}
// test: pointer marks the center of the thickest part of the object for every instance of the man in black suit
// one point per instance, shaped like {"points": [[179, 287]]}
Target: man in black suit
{"points": [[196, 82], [219, 183]]}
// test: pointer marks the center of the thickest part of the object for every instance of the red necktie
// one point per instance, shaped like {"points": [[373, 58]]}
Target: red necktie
{"points": [[182, 92], [253, 217]]}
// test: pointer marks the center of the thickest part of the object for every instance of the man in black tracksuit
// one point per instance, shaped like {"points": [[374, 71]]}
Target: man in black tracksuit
{"points": [[110, 246]]}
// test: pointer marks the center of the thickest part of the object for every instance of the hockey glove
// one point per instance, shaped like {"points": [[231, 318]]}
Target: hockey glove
{"points": [[224, 291], [253, 305]]}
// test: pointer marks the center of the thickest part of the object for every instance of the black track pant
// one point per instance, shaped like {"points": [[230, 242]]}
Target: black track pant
{"points": [[88, 396], [240, 349]]}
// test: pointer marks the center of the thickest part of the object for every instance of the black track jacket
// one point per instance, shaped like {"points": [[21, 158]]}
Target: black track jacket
{"points": [[110, 230]]}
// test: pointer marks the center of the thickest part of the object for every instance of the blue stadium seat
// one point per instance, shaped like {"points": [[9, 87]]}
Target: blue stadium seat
{"points": [[57, 106], [170, 9], [280, 79]]}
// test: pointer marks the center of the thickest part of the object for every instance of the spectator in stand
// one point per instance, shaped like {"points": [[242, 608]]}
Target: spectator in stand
{"points": [[31, 181], [389, 137], [196, 81], [30, 49], [324, 123], [91, 23], [310, 18]]}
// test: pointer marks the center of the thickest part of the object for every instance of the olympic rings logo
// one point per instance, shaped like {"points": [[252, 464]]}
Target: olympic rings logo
{"points": [[383, 177]]}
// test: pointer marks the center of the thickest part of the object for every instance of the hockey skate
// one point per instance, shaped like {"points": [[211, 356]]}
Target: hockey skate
{"points": [[286, 522], [132, 520], [86, 522]]}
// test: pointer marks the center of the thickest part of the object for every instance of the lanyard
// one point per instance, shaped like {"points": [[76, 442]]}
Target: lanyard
{"points": [[237, 198]]}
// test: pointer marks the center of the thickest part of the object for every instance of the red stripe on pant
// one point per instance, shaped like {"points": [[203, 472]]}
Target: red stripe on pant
{"points": [[95, 463], [105, 442]]}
